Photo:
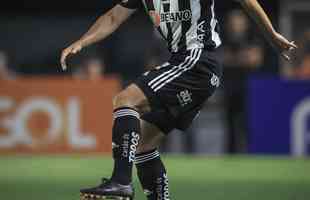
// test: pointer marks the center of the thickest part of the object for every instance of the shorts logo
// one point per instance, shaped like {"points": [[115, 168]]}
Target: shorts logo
{"points": [[184, 97], [215, 81]]}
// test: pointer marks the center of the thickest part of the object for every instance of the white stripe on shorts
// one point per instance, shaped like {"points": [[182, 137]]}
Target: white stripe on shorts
{"points": [[179, 72], [156, 81]]}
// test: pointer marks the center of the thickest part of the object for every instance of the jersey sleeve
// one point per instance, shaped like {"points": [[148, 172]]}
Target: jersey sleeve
{"points": [[131, 4]]}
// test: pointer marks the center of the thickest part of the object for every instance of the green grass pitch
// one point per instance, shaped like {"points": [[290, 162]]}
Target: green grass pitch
{"points": [[191, 178]]}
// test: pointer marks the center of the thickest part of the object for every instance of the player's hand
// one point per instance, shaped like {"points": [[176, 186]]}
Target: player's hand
{"points": [[283, 46], [72, 49]]}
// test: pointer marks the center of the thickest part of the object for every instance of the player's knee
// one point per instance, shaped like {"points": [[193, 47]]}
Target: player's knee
{"points": [[121, 100], [131, 97], [124, 99], [145, 147]]}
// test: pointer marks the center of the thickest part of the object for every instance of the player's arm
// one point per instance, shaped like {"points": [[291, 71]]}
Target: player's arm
{"points": [[280, 43], [102, 28]]}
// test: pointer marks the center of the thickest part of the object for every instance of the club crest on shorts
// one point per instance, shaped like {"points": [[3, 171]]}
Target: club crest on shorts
{"points": [[215, 80], [184, 97]]}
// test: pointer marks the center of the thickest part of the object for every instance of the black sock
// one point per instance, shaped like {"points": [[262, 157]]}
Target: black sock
{"points": [[125, 137], [152, 175]]}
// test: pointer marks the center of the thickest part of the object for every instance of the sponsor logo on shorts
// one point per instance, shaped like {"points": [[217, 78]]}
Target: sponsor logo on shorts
{"points": [[184, 97]]}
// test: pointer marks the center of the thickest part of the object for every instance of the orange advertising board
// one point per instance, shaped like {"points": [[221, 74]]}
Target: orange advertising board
{"points": [[46, 115]]}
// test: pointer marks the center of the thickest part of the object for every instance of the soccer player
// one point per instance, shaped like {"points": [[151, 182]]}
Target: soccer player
{"points": [[169, 96]]}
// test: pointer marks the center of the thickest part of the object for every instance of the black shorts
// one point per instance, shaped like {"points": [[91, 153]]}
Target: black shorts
{"points": [[178, 89]]}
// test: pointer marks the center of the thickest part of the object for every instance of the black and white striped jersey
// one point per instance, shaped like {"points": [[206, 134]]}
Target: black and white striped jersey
{"points": [[184, 24]]}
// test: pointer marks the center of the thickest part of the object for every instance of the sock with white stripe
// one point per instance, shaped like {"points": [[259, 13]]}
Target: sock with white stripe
{"points": [[152, 175], [125, 138]]}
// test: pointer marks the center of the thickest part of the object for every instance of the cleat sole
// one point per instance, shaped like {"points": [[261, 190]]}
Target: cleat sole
{"points": [[103, 197]]}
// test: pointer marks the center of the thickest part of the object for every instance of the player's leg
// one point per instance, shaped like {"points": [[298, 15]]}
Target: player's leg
{"points": [[179, 89], [128, 106], [151, 170]]}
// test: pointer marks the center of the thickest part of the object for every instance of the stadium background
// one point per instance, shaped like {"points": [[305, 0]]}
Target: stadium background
{"points": [[252, 140]]}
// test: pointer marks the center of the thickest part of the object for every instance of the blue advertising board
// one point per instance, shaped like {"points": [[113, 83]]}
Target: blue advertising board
{"points": [[278, 116]]}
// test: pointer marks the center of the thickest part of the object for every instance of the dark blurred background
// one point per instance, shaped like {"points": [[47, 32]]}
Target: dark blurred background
{"points": [[48, 27]]}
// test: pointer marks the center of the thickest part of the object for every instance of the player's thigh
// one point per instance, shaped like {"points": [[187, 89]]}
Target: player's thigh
{"points": [[151, 137], [132, 96]]}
